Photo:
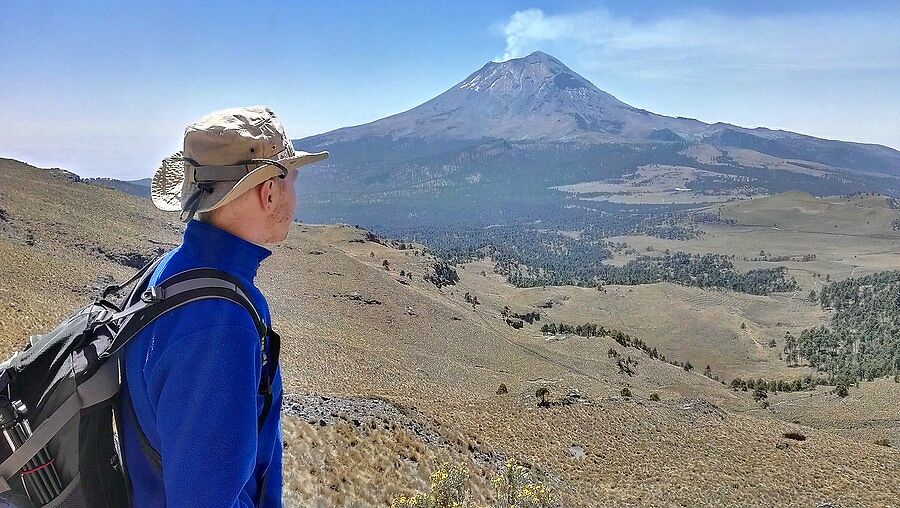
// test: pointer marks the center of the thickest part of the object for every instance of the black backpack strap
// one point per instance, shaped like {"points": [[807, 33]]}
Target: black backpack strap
{"points": [[270, 370], [143, 271]]}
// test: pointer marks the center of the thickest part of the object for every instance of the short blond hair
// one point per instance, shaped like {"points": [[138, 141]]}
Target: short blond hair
{"points": [[213, 216]]}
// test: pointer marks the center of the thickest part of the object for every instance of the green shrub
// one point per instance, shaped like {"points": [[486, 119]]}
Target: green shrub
{"points": [[760, 393], [842, 390], [542, 393]]}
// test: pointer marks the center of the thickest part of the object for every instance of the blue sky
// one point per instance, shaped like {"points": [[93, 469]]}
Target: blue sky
{"points": [[105, 88]]}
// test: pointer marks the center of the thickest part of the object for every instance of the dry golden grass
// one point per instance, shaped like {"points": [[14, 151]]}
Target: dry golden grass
{"points": [[342, 464], [648, 454], [868, 413], [861, 215], [428, 349], [53, 244], [682, 322]]}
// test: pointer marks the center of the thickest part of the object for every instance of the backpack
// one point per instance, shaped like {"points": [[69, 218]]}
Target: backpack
{"points": [[60, 396]]}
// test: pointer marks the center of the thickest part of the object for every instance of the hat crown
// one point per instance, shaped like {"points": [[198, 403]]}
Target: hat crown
{"points": [[234, 135]]}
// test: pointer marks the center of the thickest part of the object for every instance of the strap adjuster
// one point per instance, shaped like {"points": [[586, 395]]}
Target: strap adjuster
{"points": [[153, 294]]}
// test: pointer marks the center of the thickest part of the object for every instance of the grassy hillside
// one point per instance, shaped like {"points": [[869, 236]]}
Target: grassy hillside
{"points": [[862, 214], [60, 238], [411, 372]]}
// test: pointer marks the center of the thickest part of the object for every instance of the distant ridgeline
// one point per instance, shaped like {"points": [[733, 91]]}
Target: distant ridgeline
{"points": [[139, 188], [863, 339]]}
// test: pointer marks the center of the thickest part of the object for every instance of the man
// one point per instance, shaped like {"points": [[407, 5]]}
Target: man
{"points": [[196, 428]]}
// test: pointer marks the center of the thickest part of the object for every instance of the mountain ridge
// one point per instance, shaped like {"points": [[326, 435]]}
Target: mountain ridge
{"points": [[539, 98], [504, 84], [501, 144]]}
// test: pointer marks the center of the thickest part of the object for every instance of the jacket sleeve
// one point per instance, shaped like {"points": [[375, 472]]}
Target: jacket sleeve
{"points": [[206, 386]]}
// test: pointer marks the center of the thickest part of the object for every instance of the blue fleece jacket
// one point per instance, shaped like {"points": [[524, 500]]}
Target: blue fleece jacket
{"points": [[193, 378]]}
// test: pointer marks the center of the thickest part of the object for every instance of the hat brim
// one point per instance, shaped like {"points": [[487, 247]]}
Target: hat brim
{"points": [[259, 175], [166, 187]]}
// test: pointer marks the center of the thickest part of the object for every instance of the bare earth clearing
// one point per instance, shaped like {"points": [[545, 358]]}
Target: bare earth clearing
{"points": [[653, 184]]}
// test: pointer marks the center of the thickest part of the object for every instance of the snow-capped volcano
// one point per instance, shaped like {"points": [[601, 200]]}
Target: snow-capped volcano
{"points": [[537, 98], [534, 97]]}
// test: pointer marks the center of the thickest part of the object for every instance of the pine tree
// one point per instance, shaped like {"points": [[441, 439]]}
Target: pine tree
{"points": [[791, 349]]}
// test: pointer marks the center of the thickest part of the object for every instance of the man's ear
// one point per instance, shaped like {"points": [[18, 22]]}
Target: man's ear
{"points": [[266, 195]]}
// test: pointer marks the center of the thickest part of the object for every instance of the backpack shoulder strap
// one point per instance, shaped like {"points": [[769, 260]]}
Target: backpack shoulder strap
{"points": [[177, 290], [181, 289]]}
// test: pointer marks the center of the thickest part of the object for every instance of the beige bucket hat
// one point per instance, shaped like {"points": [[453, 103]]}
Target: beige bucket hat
{"points": [[226, 153]]}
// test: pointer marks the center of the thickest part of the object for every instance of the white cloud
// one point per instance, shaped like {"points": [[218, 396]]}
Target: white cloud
{"points": [[704, 42], [825, 74]]}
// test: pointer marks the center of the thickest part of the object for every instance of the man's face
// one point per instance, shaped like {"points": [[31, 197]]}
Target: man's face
{"points": [[285, 194]]}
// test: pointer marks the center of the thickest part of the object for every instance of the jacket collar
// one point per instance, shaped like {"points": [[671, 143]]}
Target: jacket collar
{"points": [[216, 248]]}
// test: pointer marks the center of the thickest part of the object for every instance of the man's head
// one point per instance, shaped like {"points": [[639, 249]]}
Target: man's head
{"points": [[237, 171], [262, 214]]}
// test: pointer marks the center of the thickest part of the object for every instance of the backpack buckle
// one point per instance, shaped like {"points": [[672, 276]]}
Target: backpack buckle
{"points": [[153, 294]]}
